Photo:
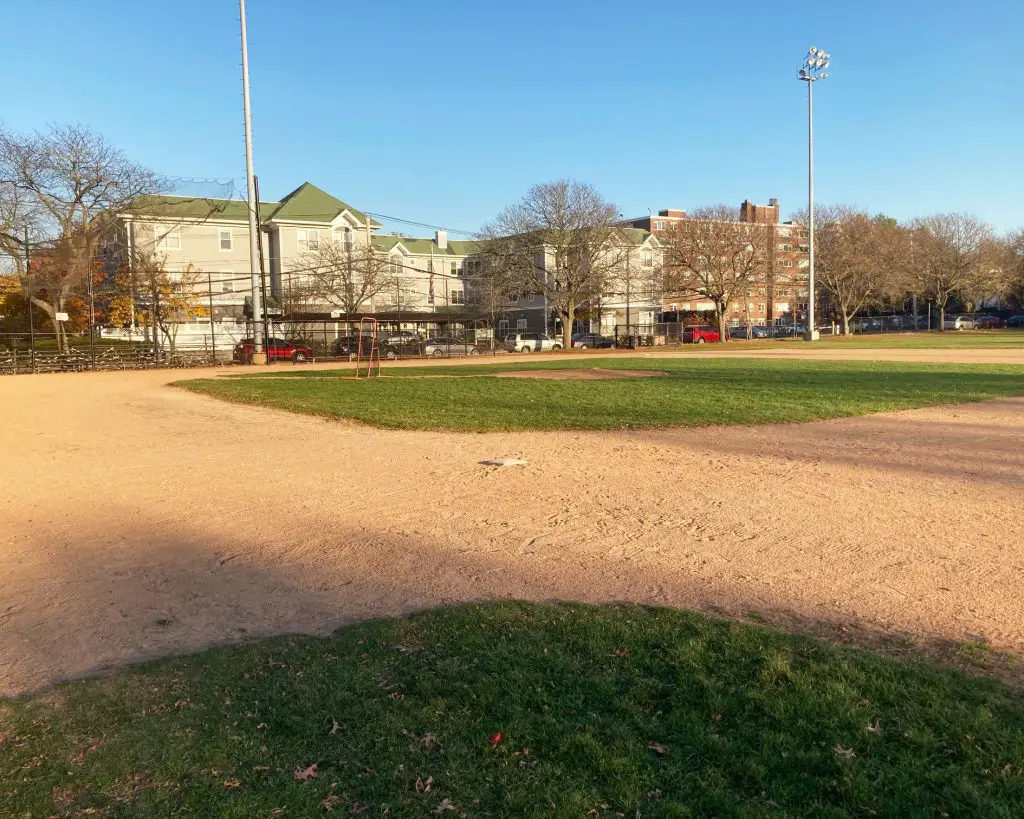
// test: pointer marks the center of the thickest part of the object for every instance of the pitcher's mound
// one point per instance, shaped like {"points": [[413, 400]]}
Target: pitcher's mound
{"points": [[590, 374]]}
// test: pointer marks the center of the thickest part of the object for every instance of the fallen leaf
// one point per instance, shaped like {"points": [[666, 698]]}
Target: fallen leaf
{"points": [[718, 717], [303, 774], [874, 729], [430, 741], [496, 738], [261, 767], [656, 794], [446, 804], [658, 748], [331, 801], [359, 807], [262, 726], [622, 652], [232, 783], [424, 787], [845, 753], [334, 727]]}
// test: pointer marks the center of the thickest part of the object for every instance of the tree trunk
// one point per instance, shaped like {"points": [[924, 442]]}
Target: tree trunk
{"points": [[942, 316], [567, 330], [846, 323], [720, 315]]}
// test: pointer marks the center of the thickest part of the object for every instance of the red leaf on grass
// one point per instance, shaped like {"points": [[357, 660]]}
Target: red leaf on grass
{"points": [[306, 773], [496, 738]]}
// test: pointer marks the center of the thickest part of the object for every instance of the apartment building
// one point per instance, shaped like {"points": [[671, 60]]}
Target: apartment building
{"points": [[432, 277], [781, 294], [211, 238]]}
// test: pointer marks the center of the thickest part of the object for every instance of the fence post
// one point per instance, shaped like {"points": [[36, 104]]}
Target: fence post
{"points": [[213, 333]]}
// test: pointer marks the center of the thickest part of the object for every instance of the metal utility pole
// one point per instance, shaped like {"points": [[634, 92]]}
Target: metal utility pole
{"points": [[31, 321], [812, 69], [259, 356]]}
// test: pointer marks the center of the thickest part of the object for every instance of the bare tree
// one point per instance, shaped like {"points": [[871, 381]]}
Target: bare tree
{"points": [[953, 257], [68, 183], [860, 260], [561, 241], [343, 275], [713, 255], [1014, 261]]}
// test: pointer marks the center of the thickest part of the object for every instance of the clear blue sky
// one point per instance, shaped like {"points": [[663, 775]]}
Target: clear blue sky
{"points": [[445, 112]]}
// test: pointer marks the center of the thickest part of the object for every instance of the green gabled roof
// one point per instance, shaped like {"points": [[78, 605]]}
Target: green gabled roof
{"points": [[637, 235], [194, 207], [465, 247], [426, 247], [307, 203]]}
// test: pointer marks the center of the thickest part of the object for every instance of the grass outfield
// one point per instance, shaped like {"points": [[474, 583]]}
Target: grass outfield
{"points": [[510, 709], [694, 392], [980, 339]]}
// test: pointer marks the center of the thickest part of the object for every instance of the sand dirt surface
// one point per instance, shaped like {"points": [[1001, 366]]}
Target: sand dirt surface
{"points": [[139, 519]]}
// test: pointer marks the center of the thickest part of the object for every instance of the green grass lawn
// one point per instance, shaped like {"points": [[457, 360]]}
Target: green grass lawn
{"points": [[694, 392], [510, 709], [994, 339]]}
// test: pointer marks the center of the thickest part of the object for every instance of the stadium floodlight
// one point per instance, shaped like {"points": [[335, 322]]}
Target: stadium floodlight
{"points": [[811, 70]]}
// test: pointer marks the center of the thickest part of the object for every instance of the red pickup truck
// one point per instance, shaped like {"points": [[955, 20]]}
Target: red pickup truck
{"points": [[699, 334], [277, 350]]}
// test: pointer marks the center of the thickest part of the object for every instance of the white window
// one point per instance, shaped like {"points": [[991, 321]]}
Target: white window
{"points": [[686, 305], [225, 240], [396, 266], [760, 308], [735, 305], [503, 328], [168, 239], [520, 324], [782, 307], [224, 282], [647, 259], [349, 239], [455, 268], [457, 297], [787, 263], [308, 239], [750, 306], [659, 225]]}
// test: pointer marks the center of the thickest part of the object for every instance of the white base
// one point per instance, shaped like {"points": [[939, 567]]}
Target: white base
{"points": [[812, 335]]}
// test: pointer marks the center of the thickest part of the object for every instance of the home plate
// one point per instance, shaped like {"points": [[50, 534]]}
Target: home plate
{"points": [[504, 462]]}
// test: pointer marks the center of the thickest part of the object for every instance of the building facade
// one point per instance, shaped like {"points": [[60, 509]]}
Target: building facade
{"points": [[778, 296], [432, 283]]}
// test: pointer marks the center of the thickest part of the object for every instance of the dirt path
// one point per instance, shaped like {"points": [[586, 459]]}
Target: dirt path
{"points": [[139, 519]]}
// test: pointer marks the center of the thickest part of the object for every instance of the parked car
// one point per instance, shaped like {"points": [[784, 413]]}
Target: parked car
{"points": [[1015, 321], [348, 347], [699, 334], [987, 322], [961, 322], [592, 341], [400, 337], [443, 347], [754, 331], [530, 343], [277, 350]]}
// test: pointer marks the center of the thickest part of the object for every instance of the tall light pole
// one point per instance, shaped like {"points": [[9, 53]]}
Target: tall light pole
{"points": [[259, 356], [811, 70]]}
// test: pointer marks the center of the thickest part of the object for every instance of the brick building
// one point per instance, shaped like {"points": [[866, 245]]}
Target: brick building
{"points": [[781, 295]]}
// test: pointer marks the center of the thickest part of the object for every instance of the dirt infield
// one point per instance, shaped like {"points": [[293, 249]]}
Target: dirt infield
{"points": [[591, 374], [141, 520]]}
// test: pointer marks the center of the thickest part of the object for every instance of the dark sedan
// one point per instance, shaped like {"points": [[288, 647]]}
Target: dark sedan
{"points": [[592, 341]]}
